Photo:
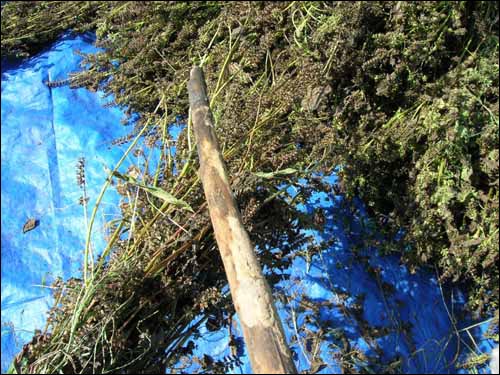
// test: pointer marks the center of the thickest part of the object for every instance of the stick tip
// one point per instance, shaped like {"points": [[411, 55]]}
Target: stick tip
{"points": [[195, 70], [197, 89]]}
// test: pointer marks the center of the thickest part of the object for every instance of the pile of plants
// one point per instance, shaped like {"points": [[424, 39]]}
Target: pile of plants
{"points": [[403, 96]]}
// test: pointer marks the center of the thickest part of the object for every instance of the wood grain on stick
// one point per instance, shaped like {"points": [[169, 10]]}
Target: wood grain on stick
{"points": [[251, 294]]}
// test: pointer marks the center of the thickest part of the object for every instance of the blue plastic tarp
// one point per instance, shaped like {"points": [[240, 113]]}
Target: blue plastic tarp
{"points": [[45, 131], [418, 320]]}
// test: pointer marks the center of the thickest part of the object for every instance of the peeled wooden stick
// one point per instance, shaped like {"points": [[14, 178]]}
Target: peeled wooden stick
{"points": [[252, 297]]}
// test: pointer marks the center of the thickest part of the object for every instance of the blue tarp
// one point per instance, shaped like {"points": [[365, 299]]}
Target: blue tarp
{"points": [[415, 316], [45, 131]]}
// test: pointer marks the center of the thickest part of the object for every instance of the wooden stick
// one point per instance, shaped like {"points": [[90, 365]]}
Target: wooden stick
{"points": [[251, 294]]}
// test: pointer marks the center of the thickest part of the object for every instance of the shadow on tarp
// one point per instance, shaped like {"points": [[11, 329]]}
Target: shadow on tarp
{"points": [[410, 315], [415, 319]]}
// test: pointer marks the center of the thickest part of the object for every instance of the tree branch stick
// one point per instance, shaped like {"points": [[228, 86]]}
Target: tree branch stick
{"points": [[251, 294]]}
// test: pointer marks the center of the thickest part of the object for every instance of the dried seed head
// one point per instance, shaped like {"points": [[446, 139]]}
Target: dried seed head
{"points": [[58, 83], [83, 200], [122, 140], [80, 172], [122, 189], [109, 104], [134, 171], [150, 141]]}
